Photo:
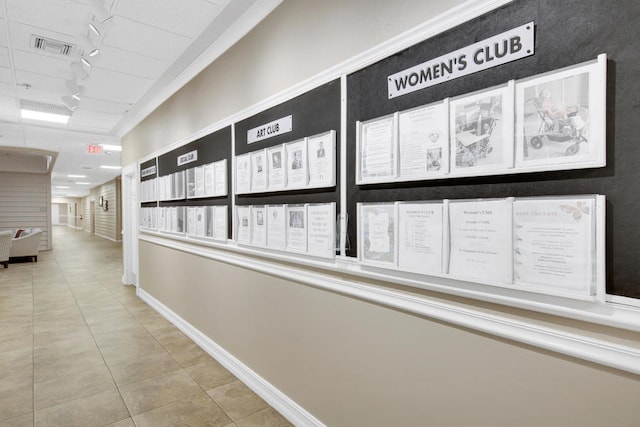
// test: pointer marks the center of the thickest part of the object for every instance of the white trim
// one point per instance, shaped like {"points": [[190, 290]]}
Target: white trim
{"points": [[582, 346], [274, 397]]}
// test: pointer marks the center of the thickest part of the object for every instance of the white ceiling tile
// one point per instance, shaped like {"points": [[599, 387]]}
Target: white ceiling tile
{"points": [[131, 63], [8, 110], [103, 106], [92, 121], [3, 32], [4, 57], [39, 81], [116, 87], [140, 38], [42, 64], [40, 95], [44, 138], [7, 89], [6, 75], [186, 17], [60, 16]]}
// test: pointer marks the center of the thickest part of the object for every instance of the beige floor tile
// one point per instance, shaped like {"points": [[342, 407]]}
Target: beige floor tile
{"points": [[122, 337], [25, 420], [237, 400], [188, 353], [265, 418], [97, 410], [196, 411], [155, 392], [210, 374], [124, 423], [23, 341], [109, 326], [134, 350], [154, 365], [16, 401], [54, 350], [52, 337], [72, 364], [16, 369], [71, 387]]}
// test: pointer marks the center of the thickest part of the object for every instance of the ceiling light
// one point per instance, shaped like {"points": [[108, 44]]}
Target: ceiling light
{"points": [[45, 117], [76, 176], [83, 183], [62, 186], [86, 62], [108, 147], [110, 167], [79, 70], [71, 103], [94, 29]]}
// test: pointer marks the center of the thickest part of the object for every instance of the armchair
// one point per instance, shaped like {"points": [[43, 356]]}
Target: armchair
{"points": [[5, 245], [26, 245]]}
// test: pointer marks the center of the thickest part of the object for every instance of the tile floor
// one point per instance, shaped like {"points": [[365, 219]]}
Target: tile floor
{"points": [[77, 348]]}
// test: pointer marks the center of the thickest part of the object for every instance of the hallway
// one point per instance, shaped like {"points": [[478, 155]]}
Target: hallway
{"points": [[77, 348]]}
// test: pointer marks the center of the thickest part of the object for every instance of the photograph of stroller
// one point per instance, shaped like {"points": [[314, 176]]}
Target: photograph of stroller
{"points": [[474, 126], [557, 125]]}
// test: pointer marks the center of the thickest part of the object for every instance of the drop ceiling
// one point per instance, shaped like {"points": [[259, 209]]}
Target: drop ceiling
{"points": [[145, 51]]}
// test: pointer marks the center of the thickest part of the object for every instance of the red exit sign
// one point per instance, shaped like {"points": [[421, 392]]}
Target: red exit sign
{"points": [[94, 149]]}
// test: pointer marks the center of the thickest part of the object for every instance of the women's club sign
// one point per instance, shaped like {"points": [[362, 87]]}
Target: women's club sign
{"points": [[497, 50]]}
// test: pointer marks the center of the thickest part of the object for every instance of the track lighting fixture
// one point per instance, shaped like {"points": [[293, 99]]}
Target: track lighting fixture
{"points": [[100, 12], [89, 48], [70, 102], [79, 71], [75, 90]]}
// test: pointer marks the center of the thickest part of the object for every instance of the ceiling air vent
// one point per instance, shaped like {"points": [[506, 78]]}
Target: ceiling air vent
{"points": [[51, 46]]}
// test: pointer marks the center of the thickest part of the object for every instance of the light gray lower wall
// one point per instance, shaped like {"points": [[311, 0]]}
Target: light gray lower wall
{"points": [[353, 363], [25, 202]]}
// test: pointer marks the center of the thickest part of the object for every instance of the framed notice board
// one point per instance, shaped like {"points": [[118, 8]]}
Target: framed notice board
{"points": [[199, 155], [567, 33]]}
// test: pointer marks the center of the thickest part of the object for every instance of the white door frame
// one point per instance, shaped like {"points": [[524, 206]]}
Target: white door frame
{"points": [[130, 257]]}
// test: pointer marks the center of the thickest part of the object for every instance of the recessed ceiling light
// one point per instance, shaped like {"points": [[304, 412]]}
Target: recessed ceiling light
{"points": [[63, 186], [83, 183], [110, 167], [108, 147], [45, 117], [86, 62], [76, 176]]}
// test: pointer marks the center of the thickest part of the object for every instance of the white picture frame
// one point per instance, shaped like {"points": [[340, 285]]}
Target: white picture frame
{"points": [[297, 168], [423, 142], [277, 159], [377, 150], [377, 234], [322, 159], [561, 118], [481, 131]]}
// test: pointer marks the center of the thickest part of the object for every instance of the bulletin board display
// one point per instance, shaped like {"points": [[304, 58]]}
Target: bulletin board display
{"points": [[567, 34], [147, 193], [307, 125], [208, 159]]}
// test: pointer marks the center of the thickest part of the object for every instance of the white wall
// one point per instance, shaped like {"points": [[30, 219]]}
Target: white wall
{"points": [[345, 360]]}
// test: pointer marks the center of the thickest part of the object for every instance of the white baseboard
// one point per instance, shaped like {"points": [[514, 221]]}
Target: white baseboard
{"points": [[274, 397]]}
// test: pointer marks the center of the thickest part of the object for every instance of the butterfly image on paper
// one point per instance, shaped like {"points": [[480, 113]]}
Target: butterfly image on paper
{"points": [[577, 210]]}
